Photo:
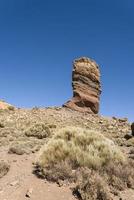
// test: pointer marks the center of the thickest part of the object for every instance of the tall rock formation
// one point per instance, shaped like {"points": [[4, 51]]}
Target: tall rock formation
{"points": [[86, 86]]}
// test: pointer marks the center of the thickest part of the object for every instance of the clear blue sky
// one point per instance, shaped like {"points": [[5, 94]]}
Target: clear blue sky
{"points": [[40, 38]]}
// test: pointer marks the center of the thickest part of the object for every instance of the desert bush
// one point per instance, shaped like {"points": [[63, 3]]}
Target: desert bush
{"points": [[4, 168], [81, 147], [60, 171], [17, 149], [24, 146], [38, 130], [92, 161], [120, 176], [91, 186], [4, 132]]}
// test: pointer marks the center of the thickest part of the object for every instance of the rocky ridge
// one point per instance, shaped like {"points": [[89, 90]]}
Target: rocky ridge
{"points": [[16, 144]]}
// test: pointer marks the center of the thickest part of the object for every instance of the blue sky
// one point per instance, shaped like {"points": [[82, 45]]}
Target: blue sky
{"points": [[40, 38]]}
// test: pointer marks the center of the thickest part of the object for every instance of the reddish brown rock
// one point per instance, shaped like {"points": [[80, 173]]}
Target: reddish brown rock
{"points": [[86, 86]]}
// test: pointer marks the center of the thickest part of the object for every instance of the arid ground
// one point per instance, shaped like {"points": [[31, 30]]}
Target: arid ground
{"points": [[28, 171]]}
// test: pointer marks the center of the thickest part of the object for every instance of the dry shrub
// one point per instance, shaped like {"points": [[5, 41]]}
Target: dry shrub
{"points": [[120, 176], [101, 184], [4, 168], [81, 147], [4, 132], [16, 149], [60, 171], [91, 186], [38, 130], [24, 146], [92, 161]]}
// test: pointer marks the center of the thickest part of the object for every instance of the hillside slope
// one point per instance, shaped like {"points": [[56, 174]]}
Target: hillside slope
{"points": [[24, 132]]}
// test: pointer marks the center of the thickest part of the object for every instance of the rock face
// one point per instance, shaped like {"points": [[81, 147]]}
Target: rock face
{"points": [[86, 86]]}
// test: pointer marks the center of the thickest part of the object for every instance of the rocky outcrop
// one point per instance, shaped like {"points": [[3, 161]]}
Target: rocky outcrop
{"points": [[86, 86]]}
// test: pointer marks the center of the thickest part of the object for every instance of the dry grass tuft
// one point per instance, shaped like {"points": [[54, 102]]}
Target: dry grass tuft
{"points": [[91, 186], [60, 171], [4, 168], [38, 130], [120, 176], [17, 149]]}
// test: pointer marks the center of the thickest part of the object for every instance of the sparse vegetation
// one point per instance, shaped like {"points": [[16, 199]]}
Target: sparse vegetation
{"points": [[91, 186], [38, 130], [120, 176], [25, 147], [4, 168], [88, 156], [17, 149], [89, 159]]}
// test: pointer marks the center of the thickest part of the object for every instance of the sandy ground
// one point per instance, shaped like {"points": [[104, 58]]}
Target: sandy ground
{"points": [[20, 180]]}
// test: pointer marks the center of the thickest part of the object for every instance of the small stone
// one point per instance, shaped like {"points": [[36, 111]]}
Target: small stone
{"points": [[110, 127], [29, 193], [60, 183], [14, 183], [14, 160], [128, 136]]}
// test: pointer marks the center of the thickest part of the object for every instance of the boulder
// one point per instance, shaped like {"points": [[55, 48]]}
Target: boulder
{"points": [[86, 86], [132, 128]]}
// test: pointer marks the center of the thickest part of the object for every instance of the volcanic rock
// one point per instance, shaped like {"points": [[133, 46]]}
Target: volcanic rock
{"points": [[132, 128], [86, 86]]}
